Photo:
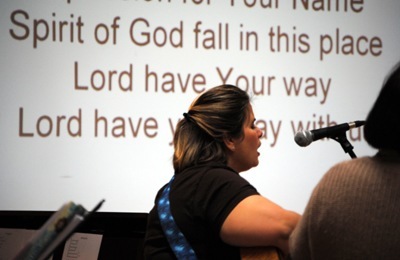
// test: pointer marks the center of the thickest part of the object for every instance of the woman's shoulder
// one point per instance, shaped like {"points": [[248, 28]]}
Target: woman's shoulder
{"points": [[350, 166], [221, 172], [209, 170], [352, 172]]}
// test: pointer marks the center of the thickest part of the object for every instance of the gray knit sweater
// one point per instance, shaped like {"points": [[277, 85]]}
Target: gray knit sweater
{"points": [[353, 213]]}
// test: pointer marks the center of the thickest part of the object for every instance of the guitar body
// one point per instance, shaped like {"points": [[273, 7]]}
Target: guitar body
{"points": [[260, 253]]}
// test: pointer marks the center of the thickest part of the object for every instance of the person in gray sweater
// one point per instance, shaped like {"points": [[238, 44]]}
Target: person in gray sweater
{"points": [[354, 211]]}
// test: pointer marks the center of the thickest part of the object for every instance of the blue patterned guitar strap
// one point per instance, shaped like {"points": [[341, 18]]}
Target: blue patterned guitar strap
{"points": [[176, 239]]}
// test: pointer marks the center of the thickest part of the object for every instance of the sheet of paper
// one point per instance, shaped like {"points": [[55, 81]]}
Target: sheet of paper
{"points": [[82, 246], [12, 240]]}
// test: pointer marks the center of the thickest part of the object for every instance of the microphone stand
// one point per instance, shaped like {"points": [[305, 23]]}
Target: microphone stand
{"points": [[346, 145]]}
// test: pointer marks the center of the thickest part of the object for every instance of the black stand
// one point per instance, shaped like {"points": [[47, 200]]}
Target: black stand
{"points": [[346, 145]]}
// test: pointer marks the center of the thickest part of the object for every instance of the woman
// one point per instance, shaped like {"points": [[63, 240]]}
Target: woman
{"points": [[215, 210], [354, 210]]}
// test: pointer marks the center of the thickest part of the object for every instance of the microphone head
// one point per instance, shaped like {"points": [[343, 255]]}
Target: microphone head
{"points": [[303, 138]]}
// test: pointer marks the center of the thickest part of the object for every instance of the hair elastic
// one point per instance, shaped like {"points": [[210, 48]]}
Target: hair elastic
{"points": [[186, 116]]}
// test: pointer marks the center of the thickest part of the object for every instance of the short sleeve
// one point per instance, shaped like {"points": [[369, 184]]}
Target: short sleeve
{"points": [[218, 193]]}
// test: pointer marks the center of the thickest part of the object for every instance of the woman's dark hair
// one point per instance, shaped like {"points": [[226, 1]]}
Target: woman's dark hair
{"points": [[382, 127], [218, 113]]}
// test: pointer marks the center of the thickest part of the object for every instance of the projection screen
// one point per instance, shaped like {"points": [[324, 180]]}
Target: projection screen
{"points": [[91, 91]]}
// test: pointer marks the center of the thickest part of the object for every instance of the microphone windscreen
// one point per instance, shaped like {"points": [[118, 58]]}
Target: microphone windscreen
{"points": [[303, 138]]}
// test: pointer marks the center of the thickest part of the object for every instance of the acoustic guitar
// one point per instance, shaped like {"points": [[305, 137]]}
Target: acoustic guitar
{"points": [[261, 253]]}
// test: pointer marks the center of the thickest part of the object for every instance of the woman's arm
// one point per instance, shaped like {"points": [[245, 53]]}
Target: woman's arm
{"points": [[257, 221]]}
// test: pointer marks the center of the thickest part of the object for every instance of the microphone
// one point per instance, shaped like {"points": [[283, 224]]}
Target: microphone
{"points": [[306, 137]]}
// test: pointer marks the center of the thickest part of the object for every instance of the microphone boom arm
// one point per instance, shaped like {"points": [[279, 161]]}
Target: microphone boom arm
{"points": [[336, 132]]}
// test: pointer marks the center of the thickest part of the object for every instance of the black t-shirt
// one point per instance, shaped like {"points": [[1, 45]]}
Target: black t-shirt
{"points": [[201, 198]]}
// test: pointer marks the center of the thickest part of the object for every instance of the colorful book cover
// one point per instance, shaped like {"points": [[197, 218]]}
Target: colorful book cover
{"points": [[50, 230]]}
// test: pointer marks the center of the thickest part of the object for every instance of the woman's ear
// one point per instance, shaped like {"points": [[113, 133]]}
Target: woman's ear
{"points": [[229, 143]]}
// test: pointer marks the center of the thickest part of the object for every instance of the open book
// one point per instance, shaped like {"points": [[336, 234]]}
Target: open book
{"points": [[58, 228]]}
